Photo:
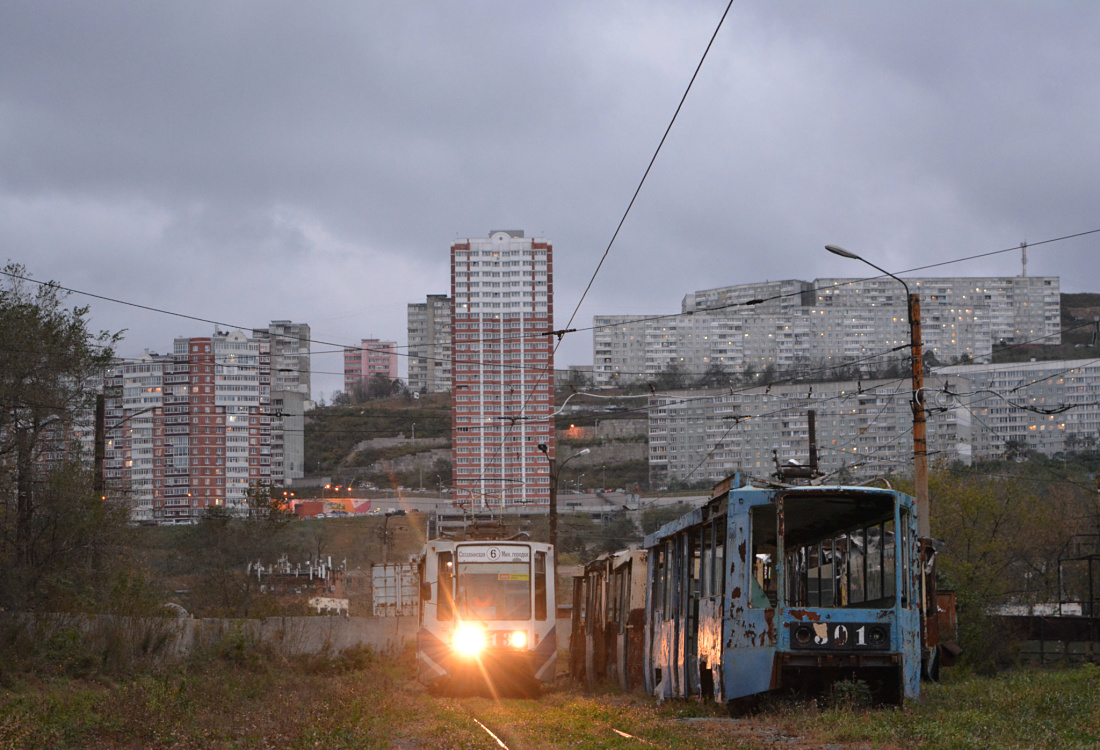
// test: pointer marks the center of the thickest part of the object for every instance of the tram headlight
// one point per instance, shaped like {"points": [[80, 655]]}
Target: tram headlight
{"points": [[518, 639], [804, 634], [878, 636], [469, 639]]}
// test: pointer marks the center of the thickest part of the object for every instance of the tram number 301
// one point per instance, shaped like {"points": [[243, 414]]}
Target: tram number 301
{"points": [[850, 635]]}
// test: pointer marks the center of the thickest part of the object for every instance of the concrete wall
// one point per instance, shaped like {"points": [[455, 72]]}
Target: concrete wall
{"points": [[168, 639], [173, 638]]}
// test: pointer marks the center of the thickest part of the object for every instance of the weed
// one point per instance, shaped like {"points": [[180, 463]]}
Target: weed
{"points": [[850, 695], [68, 652]]}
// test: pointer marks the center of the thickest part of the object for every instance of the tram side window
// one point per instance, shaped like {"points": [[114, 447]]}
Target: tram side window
{"points": [[445, 606], [889, 558], [670, 579], [906, 563], [708, 561], [624, 598], [540, 585], [857, 573], [657, 599], [613, 599], [720, 556], [762, 583], [595, 613], [579, 599]]}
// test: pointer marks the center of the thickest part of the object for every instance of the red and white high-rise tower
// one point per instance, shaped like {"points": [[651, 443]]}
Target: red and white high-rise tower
{"points": [[502, 375]]}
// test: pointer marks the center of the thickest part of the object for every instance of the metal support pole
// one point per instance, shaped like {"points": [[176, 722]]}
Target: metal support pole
{"points": [[553, 507]]}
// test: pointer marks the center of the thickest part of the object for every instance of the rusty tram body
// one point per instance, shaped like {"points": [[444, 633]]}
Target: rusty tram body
{"points": [[608, 629], [791, 588]]}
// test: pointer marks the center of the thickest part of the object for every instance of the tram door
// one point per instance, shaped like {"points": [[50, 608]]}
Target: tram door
{"points": [[752, 588]]}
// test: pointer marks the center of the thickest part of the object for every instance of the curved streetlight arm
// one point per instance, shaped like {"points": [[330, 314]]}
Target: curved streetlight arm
{"points": [[837, 250], [584, 452]]}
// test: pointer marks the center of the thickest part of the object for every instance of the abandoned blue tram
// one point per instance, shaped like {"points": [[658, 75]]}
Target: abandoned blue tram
{"points": [[791, 588]]}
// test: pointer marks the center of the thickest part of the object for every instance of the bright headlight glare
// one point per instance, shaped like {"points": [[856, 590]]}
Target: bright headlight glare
{"points": [[469, 639], [519, 639]]}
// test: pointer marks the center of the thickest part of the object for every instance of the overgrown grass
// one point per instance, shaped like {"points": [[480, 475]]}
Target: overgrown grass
{"points": [[1024, 708], [239, 695], [235, 695]]}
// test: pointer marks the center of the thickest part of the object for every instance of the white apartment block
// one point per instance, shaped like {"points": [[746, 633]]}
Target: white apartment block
{"points": [[863, 427], [502, 389], [429, 325], [1021, 404], [197, 428], [827, 322], [290, 358]]}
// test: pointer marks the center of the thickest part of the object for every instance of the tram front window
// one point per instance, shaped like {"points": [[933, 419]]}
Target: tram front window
{"points": [[494, 591], [840, 550]]}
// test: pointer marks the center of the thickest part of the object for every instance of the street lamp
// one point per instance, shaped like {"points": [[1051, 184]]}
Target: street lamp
{"points": [[920, 441], [555, 472]]}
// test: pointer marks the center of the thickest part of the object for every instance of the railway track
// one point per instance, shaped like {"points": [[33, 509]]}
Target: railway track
{"points": [[500, 742]]}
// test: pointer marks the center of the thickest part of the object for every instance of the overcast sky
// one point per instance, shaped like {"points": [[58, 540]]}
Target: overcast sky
{"points": [[246, 161]]}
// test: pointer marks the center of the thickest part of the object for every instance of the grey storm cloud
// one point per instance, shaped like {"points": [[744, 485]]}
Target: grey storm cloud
{"points": [[248, 161]]}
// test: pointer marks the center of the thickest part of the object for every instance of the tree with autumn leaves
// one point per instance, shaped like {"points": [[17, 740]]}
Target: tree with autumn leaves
{"points": [[1005, 526], [57, 539]]}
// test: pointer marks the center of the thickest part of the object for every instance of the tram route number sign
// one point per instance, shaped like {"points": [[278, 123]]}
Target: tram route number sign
{"points": [[493, 553], [856, 636]]}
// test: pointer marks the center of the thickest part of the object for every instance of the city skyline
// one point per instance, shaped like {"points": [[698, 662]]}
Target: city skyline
{"points": [[283, 161]]}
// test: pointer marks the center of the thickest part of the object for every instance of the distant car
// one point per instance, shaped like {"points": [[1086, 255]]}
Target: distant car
{"points": [[395, 512]]}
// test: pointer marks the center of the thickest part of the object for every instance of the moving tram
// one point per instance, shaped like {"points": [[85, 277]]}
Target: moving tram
{"points": [[487, 616]]}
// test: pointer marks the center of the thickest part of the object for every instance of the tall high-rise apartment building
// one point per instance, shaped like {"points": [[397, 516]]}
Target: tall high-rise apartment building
{"points": [[502, 380], [430, 345], [372, 357], [198, 428]]}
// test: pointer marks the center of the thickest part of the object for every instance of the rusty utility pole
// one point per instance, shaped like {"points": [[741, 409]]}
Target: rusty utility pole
{"points": [[920, 433]]}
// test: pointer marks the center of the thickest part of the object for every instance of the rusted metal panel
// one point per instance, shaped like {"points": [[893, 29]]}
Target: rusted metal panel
{"points": [[577, 647], [633, 659], [947, 613], [608, 638], [710, 646]]}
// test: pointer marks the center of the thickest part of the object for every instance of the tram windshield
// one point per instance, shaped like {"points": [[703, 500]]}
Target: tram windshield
{"points": [[493, 583], [840, 551]]}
